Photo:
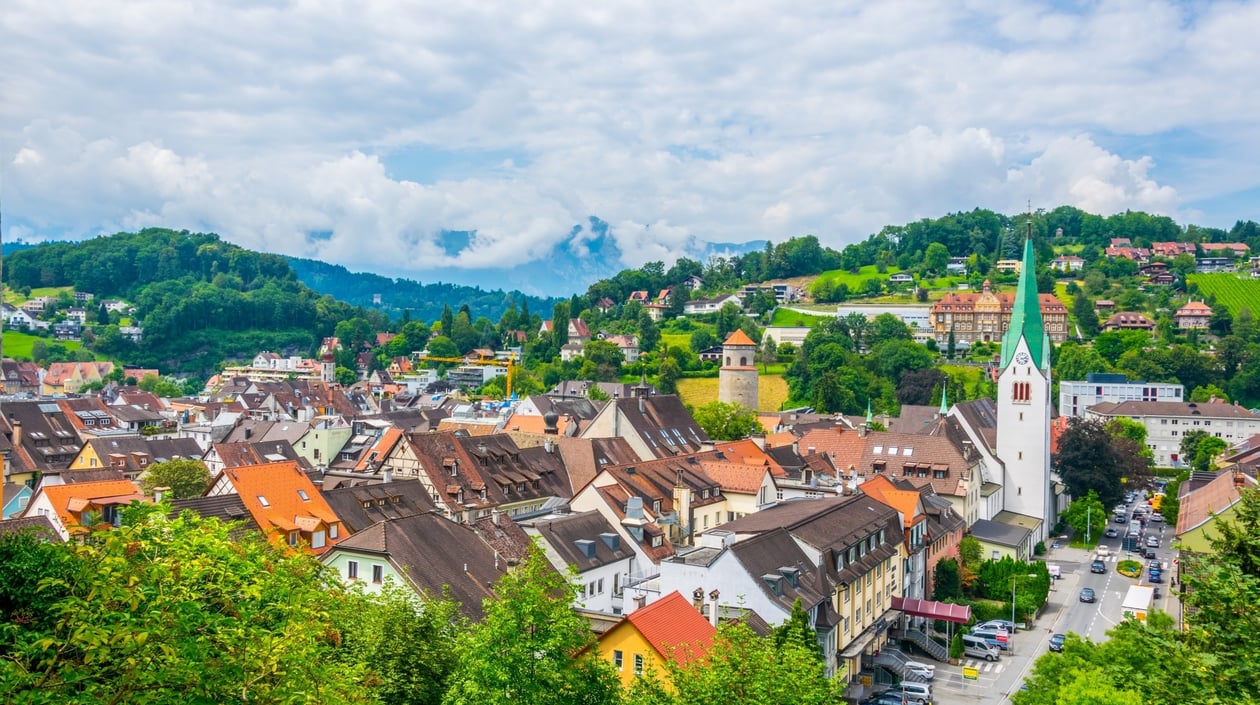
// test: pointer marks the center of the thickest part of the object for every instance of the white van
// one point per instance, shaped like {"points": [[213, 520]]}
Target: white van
{"points": [[916, 692], [975, 647]]}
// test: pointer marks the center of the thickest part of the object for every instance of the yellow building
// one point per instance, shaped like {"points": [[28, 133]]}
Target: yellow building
{"points": [[984, 317], [644, 641], [70, 377]]}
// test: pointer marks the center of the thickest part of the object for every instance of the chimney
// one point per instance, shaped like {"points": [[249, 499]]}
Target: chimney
{"points": [[548, 446], [642, 405], [862, 431], [810, 450], [494, 518], [387, 475], [17, 431], [713, 607], [158, 493], [697, 599]]}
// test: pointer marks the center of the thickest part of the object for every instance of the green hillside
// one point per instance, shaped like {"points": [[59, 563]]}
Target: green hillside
{"points": [[1235, 292]]}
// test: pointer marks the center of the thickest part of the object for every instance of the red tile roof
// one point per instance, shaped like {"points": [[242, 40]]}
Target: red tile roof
{"points": [[70, 500], [739, 337], [674, 628]]}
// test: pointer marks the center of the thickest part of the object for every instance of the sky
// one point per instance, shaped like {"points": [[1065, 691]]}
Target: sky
{"points": [[362, 133]]}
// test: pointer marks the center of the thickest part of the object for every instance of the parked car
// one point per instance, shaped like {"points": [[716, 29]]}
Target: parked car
{"points": [[1098, 567], [1087, 595], [993, 637], [1152, 541], [998, 624], [1111, 533], [926, 671], [1056, 642]]}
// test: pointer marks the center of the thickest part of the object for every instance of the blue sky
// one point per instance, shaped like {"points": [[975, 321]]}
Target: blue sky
{"points": [[360, 133]]}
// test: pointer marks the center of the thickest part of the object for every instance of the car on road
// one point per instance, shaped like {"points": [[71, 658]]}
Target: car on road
{"points": [[1056, 642], [1087, 595], [926, 671], [1152, 541], [1157, 518], [1121, 519], [1155, 565], [998, 625], [1148, 553], [1098, 567], [885, 699], [1111, 533], [1155, 576]]}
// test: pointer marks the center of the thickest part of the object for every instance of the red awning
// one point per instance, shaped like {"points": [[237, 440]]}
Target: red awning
{"points": [[933, 610]]}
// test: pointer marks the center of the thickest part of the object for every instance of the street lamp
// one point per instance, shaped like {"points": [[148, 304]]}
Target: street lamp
{"points": [[1011, 636]]}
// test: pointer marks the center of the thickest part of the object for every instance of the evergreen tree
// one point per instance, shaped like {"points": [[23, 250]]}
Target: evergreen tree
{"points": [[797, 630]]}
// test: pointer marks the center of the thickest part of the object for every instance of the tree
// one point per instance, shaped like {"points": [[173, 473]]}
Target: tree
{"points": [[186, 610], [742, 667], [1221, 322], [798, 631], [946, 580], [1087, 516], [405, 643], [1086, 316], [1075, 362], [1090, 458], [649, 333], [702, 339], [183, 476], [159, 386], [527, 648], [727, 422], [668, 375], [936, 259], [606, 357]]}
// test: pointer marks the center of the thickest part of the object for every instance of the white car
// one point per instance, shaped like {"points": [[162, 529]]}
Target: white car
{"points": [[926, 671]]}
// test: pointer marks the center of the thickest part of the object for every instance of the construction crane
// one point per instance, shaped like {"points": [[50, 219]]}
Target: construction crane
{"points": [[509, 364]]}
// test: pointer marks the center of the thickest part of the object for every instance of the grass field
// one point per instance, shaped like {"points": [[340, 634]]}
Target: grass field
{"points": [[18, 299], [18, 345], [675, 340], [1231, 290], [772, 391], [785, 317]]}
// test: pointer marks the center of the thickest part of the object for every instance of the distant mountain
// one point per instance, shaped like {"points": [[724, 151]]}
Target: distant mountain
{"points": [[424, 302], [588, 254]]}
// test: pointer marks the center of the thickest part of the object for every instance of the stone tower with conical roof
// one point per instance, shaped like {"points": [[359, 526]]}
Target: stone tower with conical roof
{"points": [[737, 378], [1023, 406]]}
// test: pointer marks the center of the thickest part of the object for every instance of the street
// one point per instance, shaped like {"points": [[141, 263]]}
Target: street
{"points": [[1063, 612]]}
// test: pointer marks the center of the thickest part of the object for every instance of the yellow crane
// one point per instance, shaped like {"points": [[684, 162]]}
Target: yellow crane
{"points": [[509, 364]]}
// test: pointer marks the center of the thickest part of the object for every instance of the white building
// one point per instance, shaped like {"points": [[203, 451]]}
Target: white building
{"points": [[1167, 423], [1076, 396], [1023, 411]]}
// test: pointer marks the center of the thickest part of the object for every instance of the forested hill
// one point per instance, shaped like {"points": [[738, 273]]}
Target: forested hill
{"points": [[424, 301], [199, 299]]}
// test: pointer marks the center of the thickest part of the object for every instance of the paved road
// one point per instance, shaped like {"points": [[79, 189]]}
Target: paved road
{"points": [[1064, 612]]}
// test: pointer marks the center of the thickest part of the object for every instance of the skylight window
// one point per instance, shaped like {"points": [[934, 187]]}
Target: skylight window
{"points": [[303, 495], [879, 449], [263, 501], [907, 451], [892, 450]]}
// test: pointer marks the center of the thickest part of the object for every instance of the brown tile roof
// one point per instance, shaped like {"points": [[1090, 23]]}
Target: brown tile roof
{"points": [[1198, 506], [674, 628], [436, 553], [616, 497], [771, 551], [1210, 410], [361, 506], [663, 423], [566, 534], [40, 525]]}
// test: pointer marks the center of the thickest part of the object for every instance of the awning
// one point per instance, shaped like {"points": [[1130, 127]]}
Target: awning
{"points": [[960, 614], [859, 644]]}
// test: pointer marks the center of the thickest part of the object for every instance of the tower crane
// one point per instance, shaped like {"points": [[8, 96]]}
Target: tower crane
{"points": [[509, 365]]}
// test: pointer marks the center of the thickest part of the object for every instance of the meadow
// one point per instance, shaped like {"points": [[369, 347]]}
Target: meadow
{"points": [[1235, 292], [772, 391]]}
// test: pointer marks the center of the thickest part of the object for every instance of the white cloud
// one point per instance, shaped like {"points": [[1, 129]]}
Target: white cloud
{"points": [[385, 125]]}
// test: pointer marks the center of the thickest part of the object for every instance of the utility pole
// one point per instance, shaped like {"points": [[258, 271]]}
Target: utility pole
{"points": [[1089, 524]]}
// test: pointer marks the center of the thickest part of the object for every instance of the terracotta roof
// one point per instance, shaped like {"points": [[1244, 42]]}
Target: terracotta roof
{"points": [[674, 628], [739, 337], [736, 477], [1194, 308], [1215, 497], [747, 452], [905, 501], [278, 495], [63, 497]]}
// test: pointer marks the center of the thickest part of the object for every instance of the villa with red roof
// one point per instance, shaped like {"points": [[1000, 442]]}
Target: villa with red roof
{"points": [[283, 502], [669, 630], [68, 505]]}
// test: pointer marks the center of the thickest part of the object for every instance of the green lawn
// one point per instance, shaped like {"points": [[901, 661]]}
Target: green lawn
{"points": [[784, 317], [17, 345], [675, 340], [17, 299], [854, 281]]}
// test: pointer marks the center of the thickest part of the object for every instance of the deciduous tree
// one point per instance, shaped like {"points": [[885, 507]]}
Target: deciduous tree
{"points": [[183, 476], [727, 422]]}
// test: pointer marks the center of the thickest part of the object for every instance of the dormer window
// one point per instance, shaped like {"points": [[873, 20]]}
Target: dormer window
{"points": [[704, 494], [656, 506]]}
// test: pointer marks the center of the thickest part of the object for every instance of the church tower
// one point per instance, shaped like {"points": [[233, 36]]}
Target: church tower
{"points": [[737, 378], [1023, 405]]}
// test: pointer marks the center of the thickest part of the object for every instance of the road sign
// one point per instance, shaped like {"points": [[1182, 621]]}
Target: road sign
{"points": [[971, 673]]}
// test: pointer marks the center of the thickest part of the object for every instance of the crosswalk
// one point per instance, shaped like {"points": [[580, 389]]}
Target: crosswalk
{"points": [[989, 667]]}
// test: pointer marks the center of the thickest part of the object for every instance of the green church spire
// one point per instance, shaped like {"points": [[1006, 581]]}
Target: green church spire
{"points": [[944, 405], [869, 417], [1026, 314]]}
